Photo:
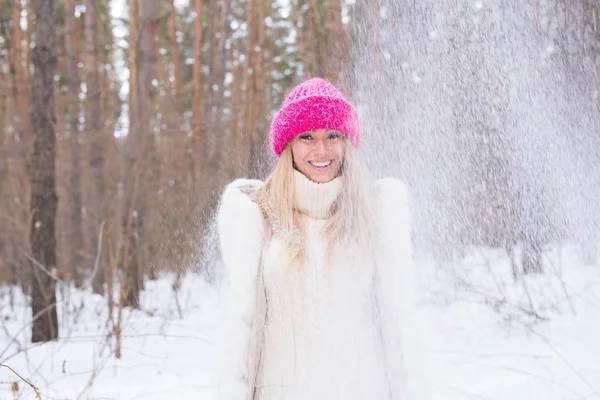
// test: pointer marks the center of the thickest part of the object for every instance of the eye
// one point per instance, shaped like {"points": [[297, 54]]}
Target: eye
{"points": [[305, 137], [334, 136]]}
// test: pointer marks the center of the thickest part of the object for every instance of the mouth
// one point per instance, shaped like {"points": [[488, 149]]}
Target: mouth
{"points": [[321, 164]]}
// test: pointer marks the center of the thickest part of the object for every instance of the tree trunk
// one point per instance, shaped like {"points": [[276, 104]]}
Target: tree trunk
{"points": [[43, 185], [130, 245], [311, 42], [75, 227], [258, 109], [249, 88], [337, 62], [238, 139], [93, 126], [218, 70], [211, 130], [199, 145], [149, 124], [175, 59], [22, 83], [315, 26], [174, 169], [301, 38]]}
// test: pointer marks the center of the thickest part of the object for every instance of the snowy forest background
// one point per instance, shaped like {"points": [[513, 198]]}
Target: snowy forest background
{"points": [[123, 119]]}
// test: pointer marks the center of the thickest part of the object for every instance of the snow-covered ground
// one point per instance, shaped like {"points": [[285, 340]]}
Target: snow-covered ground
{"points": [[492, 339]]}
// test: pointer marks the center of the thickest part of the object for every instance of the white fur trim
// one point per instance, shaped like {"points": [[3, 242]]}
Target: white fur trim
{"points": [[241, 233]]}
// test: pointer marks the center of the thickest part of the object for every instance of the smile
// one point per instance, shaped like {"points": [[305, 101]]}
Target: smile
{"points": [[322, 164]]}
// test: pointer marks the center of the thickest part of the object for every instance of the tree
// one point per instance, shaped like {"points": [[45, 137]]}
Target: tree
{"points": [[43, 185], [93, 127], [197, 108], [75, 223]]}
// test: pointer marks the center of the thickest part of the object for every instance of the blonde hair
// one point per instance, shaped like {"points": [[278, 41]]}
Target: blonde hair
{"points": [[350, 221]]}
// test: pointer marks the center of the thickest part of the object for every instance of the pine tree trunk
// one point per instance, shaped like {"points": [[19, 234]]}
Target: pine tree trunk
{"points": [[300, 38], [318, 42], [22, 82], [238, 139], [199, 148], [93, 127], [75, 222], [337, 62], [175, 59], [218, 70], [130, 245], [249, 88], [212, 131], [150, 172], [42, 166], [174, 149], [258, 110], [311, 42]]}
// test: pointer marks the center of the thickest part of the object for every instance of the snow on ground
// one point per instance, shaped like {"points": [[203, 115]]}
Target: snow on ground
{"points": [[492, 339], [539, 343]]}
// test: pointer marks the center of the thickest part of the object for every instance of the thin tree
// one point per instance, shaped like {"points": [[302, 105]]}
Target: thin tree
{"points": [[337, 61], [218, 72], [149, 125], [93, 126], [174, 47], [258, 110], [43, 184], [249, 85], [198, 137], [21, 79], [75, 228]]}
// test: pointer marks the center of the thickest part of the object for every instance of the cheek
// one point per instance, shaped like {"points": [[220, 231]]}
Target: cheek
{"points": [[339, 151], [298, 152]]}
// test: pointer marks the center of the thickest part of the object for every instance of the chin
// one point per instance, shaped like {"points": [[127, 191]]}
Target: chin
{"points": [[321, 178]]}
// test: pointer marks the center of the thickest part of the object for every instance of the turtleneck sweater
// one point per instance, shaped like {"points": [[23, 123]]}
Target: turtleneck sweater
{"points": [[315, 199], [320, 336]]}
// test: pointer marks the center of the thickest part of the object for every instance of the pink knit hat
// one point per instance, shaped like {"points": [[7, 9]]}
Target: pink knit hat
{"points": [[314, 104]]}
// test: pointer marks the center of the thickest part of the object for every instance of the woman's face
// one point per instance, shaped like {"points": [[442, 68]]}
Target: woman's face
{"points": [[319, 154]]}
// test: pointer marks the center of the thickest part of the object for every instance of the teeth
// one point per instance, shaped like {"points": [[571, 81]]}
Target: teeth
{"points": [[321, 164]]}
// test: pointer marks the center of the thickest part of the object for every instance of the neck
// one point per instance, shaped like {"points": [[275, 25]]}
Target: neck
{"points": [[315, 199]]}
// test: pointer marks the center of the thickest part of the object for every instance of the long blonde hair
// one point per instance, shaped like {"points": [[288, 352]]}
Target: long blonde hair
{"points": [[350, 221]]}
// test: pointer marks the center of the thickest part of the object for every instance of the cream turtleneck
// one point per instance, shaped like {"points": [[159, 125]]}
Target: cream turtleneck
{"points": [[315, 199]]}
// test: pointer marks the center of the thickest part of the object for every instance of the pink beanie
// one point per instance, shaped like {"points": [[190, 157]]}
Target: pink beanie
{"points": [[314, 104]]}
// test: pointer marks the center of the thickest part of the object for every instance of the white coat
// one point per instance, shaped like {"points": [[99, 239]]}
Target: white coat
{"points": [[342, 329]]}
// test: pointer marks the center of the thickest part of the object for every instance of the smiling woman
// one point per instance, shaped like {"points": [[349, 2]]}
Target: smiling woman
{"points": [[318, 265]]}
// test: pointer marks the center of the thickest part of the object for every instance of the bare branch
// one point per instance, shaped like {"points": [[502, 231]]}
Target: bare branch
{"points": [[88, 281], [35, 389]]}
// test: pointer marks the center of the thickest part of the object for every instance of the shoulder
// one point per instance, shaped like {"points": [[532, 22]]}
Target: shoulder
{"points": [[238, 194], [236, 206], [241, 189]]}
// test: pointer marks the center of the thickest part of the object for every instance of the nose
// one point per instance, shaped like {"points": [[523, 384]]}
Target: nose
{"points": [[321, 146]]}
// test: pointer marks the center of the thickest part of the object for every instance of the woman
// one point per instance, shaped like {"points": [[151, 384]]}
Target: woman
{"points": [[318, 260]]}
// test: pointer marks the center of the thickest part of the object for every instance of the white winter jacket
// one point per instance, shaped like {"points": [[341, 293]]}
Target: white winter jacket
{"points": [[342, 329]]}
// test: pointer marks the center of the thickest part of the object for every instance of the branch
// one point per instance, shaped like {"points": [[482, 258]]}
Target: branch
{"points": [[89, 280], [44, 269], [35, 389]]}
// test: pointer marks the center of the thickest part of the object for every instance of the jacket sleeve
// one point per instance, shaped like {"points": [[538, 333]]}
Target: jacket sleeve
{"points": [[395, 291], [241, 233]]}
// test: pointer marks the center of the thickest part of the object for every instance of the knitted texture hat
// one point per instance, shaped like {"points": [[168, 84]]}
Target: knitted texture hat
{"points": [[314, 104]]}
